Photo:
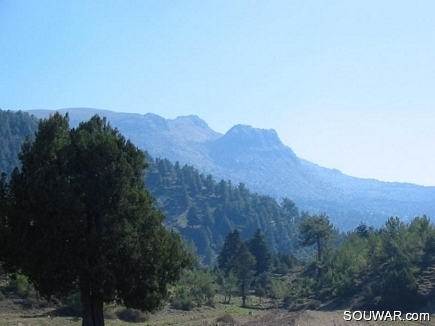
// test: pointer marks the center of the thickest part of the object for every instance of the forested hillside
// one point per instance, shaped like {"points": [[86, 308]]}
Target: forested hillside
{"points": [[389, 268], [259, 159], [200, 208], [14, 127], [204, 210]]}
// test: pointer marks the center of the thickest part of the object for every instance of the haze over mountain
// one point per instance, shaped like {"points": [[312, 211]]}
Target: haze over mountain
{"points": [[259, 159]]}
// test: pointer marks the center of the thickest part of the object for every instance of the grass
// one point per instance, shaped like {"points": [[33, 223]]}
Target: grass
{"points": [[195, 317]]}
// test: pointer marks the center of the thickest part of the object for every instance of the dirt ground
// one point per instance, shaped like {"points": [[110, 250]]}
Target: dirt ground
{"points": [[13, 314], [322, 318]]}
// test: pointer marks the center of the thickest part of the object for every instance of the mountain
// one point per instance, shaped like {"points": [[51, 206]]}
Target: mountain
{"points": [[260, 160], [203, 210], [179, 139]]}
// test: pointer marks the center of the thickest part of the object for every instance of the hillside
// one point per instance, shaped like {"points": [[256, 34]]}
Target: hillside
{"points": [[260, 160], [204, 210], [14, 126]]}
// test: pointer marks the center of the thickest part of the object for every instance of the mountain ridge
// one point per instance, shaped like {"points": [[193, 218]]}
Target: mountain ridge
{"points": [[258, 158]]}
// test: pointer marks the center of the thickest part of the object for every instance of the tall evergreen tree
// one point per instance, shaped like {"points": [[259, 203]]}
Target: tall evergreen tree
{"points": [[79, 218], [290, 209], [316, 229], [258, 247], [229, 249], [243, 263], [193, 217]]}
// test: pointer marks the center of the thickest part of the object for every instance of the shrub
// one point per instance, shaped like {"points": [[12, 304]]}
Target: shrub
{"points": [[227, 319], [110, 314], [183, 304], [74, 301], [132, 315], [20, 285], [277, 289], [211, 303]]}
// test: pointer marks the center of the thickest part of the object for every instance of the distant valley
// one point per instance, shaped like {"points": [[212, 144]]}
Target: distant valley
{"points": [[260, 160]]}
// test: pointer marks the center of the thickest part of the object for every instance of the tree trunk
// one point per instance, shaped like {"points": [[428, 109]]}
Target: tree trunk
{"points": [[319, 252], [319, 249], [227, 298], [92, 306]]}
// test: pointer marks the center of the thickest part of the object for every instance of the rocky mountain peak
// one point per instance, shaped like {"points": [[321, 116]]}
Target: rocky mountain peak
{"points": [[192, 120], [253, 137], [154, 120]]}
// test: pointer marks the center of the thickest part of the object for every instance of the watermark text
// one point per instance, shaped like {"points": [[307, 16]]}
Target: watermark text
{"points": [[385, 316]]}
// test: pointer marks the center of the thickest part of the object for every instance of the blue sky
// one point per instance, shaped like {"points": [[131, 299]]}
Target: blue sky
{"points": [[346, 84]]}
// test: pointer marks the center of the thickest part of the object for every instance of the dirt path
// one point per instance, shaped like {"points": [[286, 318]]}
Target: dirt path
{"points": [[322, 318]]}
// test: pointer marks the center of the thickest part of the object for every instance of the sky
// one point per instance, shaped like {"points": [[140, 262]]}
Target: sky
{"points": [[346, 84]]}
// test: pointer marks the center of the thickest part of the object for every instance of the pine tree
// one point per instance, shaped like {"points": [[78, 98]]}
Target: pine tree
{"points": [[229, 249], [193, 217], [316, 229], [258, 247], [79, 218], [243, 263]]}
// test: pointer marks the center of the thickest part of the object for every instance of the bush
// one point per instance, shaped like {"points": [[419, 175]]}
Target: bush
{"points": [[278, 289], [399, 289], [110, 314], [186, 305], [132, 315], [71, 306], [20, 285], [309, 305], [74, 302], [226, 319], [211, 303], [2, 296], [196, 286], [67, 311]]}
